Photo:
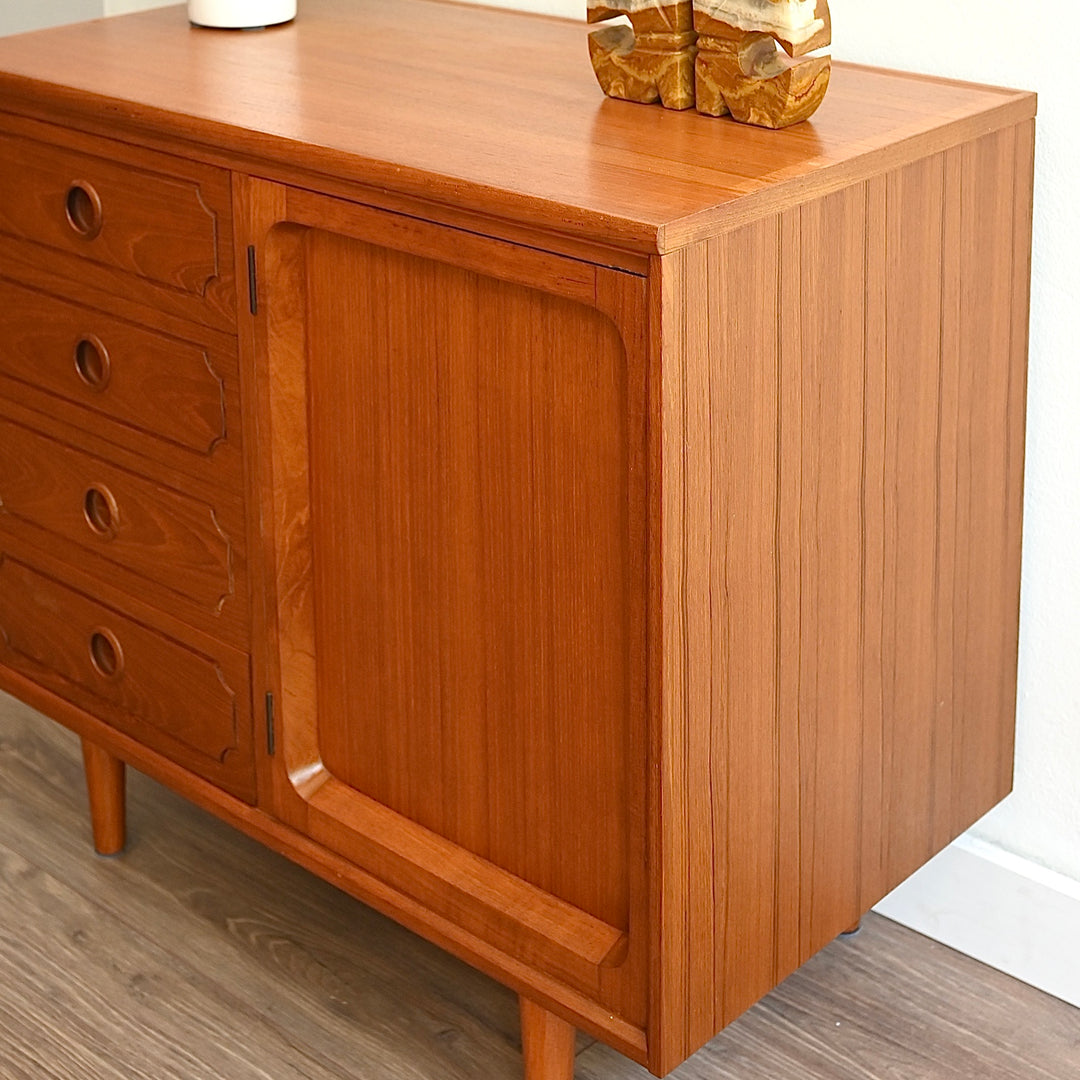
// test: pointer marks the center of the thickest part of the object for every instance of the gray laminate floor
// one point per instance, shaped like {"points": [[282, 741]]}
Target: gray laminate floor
{"points": [[198, 955]]}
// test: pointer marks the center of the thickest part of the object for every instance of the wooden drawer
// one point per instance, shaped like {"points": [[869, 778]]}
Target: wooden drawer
{"points": [[125, 378], [178, 551], [193, 708], [162, 228]]}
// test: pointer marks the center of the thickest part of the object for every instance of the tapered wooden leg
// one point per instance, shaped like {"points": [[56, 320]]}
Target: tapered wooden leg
{"points": [[105, 786], [547, 1043]]}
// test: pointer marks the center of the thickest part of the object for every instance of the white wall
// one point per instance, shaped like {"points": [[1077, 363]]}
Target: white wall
{"points": [[19, 15], [123, 7]]}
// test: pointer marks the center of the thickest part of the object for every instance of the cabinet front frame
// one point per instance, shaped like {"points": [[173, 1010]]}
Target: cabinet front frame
{"points": [[571, 958]]}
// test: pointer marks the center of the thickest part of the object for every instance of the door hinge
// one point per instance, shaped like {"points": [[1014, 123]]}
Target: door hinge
{"points": [[270, 724], [253, 287]]}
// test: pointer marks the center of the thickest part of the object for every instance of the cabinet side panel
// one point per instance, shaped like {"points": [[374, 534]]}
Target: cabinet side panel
{"points": [[843, 450]]}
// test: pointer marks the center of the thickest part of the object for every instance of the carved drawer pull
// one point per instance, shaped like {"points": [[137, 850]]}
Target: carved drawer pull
{"points": [[92, 363], [106, 654], [83, 209], [101, 511]]}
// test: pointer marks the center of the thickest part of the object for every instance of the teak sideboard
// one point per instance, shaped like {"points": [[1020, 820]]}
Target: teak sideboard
{"points": [[585, 532]]}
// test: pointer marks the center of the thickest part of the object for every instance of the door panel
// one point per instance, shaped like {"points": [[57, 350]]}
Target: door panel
{"points": [[459, 513], [469, 480]]}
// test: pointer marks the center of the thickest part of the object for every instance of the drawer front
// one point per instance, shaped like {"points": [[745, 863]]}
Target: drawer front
{"points": [[136, 220], [168, 542], [193, 708], [182, 393]]}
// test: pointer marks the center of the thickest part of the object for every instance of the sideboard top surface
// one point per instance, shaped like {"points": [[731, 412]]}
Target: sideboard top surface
{"points": [[491, 111]]}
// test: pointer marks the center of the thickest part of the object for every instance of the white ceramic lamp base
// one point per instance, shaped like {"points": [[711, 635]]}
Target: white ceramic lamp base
{"points": [[240, 14]]}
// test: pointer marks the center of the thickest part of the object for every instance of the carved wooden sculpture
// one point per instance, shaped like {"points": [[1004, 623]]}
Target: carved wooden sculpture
{"points": [[654, 60], [720, 55], [740, 70]]}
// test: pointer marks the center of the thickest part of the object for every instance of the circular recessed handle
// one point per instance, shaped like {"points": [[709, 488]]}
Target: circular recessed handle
{"points": [[82, 206], [92, 363], [106, 654], [100, 511]]}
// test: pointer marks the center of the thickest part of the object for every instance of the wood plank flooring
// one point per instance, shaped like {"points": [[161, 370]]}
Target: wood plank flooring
{"points": [[198, 955]]}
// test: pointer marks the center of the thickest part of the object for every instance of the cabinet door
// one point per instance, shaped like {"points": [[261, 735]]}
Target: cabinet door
{"points": [[458, 504]]}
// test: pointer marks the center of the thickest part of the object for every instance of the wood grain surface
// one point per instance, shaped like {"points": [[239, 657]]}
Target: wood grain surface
{"points": [[200, 955], [462, 654], [151, 225], [180, 395], [170, 540], [473, 570], [527, 136], [106, 795], [157, 227], [635, 513], [154, 539], [842, 461], [191, 707], [547, 1044]]}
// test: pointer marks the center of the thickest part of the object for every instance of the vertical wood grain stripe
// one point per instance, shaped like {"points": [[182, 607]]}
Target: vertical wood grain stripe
{"points": [[705, 741], [669, 1006], [872, 545], [913, 341], [787, 582], [744, 500], [947, 704], [832, 314]]}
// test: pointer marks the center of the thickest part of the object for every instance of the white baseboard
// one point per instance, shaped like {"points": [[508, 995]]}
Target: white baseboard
{"points": [[1001, 909]]}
